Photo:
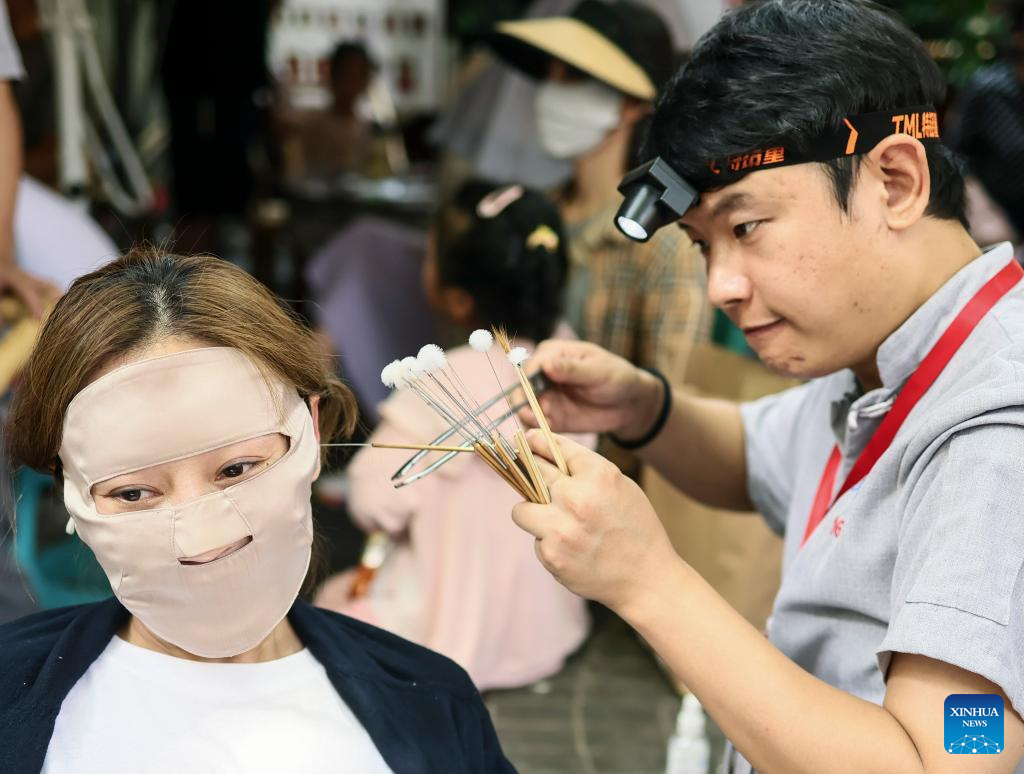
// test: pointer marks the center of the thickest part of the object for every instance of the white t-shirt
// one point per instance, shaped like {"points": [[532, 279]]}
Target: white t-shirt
{"points": [[136, 711]]}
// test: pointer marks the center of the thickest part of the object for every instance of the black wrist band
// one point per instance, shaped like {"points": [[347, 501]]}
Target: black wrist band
{"points": [[659, 423]]}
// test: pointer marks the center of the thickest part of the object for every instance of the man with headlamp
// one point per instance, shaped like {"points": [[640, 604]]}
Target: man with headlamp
{"points": [[800, 150]]}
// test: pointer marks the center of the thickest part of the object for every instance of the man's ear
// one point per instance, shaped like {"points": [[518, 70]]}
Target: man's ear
{"points": [[900, 164]]}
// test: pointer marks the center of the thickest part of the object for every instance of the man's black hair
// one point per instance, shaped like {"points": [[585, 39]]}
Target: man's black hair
{"points": [[785, 71]]}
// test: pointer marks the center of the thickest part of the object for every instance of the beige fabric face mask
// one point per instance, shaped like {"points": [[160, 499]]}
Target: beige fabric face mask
{"points": [[166, 409]]}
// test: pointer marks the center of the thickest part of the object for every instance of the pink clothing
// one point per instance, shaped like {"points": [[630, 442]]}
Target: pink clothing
{"points": [[461, 578]]}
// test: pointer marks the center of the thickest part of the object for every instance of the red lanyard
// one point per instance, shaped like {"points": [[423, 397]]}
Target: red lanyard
{"points": [[917, 385]]}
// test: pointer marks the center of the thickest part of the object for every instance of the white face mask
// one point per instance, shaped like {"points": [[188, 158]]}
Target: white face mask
{"points": [[168, 408], [573, 118]]}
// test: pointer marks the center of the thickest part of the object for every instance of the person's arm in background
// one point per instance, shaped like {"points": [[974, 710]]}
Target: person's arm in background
{"points": [[374, 503], [33, 291]]}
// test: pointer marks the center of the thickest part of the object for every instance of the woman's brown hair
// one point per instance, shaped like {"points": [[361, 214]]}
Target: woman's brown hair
{"points": [[140, 298]]}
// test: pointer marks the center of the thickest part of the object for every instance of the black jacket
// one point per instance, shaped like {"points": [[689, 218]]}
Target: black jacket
{"points": [[420, 708]]}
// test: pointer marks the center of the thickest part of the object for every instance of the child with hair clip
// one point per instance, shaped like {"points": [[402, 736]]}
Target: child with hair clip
{"points": [[460, 578]]}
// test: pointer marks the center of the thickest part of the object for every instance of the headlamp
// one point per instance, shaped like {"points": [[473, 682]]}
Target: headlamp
{"points": [[655, 196]]}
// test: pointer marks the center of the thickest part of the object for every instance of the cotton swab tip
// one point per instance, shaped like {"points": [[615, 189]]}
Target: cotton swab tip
{"points": [[517, 356], [404, 373], [481, 340], [432, 356], [390, 372]]}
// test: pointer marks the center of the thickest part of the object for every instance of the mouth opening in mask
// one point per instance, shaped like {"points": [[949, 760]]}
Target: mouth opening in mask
{"points": [[217, 553]]}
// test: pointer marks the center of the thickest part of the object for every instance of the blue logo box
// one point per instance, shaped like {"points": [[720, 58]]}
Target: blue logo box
{"points": [[974, 724]]}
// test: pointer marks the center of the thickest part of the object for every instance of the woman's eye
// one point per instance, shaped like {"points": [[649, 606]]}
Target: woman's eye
{"points": [[237, 469], [745, 229], [129, 495]]}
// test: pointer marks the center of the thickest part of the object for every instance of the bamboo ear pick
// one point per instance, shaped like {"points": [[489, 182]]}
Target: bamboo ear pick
{"points": [[530, 463], [413, 446], [440, 387], [517, 357]]}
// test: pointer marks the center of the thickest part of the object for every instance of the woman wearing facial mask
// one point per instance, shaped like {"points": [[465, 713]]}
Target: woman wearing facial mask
{"points": [[458, 578], [181, 409], [599, 70]]}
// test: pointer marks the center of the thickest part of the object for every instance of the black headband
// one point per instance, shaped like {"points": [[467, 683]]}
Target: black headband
{"points": [[655, 194], [858, 134]]}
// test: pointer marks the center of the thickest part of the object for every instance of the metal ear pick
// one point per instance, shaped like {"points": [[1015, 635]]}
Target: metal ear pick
{"points": [[438, 385]]}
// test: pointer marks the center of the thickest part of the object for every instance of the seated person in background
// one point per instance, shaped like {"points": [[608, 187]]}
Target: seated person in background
{"points": [[180, 409], [461, 579], [330, 142]]}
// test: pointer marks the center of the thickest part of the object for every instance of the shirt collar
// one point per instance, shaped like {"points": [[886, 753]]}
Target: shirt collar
{"points": [[906, 347]]}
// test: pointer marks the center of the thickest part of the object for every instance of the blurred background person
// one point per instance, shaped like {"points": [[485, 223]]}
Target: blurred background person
{"points": [[989, 130], [458, 578], [600, 69], [338, 139]]}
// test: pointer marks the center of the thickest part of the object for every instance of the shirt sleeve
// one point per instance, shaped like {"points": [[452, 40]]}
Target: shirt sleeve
{"points": [[958, 589], [374, 502], [769, 436], [11, 68]]}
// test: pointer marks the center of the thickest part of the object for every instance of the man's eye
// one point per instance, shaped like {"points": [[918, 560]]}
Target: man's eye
{"points": [[745, 229]]}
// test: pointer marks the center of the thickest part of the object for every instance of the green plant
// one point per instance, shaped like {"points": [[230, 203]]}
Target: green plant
{"points": [[962, 35]]}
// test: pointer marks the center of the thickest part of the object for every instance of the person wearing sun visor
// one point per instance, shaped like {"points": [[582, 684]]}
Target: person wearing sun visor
{"points": [[800, 148], [598, 71]]}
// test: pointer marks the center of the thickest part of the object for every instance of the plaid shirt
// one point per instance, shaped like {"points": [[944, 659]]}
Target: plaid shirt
{"points": [[645, 302]]}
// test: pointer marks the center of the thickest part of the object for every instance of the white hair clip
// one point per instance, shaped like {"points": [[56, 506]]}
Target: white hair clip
{"points": [[492, 205]]}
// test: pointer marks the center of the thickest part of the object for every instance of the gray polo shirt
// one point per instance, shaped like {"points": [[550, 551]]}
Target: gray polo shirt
{"points": [[10, 60], [925, 555]]}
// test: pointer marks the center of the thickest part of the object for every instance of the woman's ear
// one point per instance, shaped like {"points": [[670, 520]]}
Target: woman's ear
{"points": [[314, 410]]}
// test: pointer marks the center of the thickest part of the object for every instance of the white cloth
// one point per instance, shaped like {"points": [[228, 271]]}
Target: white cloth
{"points": [[11, 68], [54, 239], [136, 711]]}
